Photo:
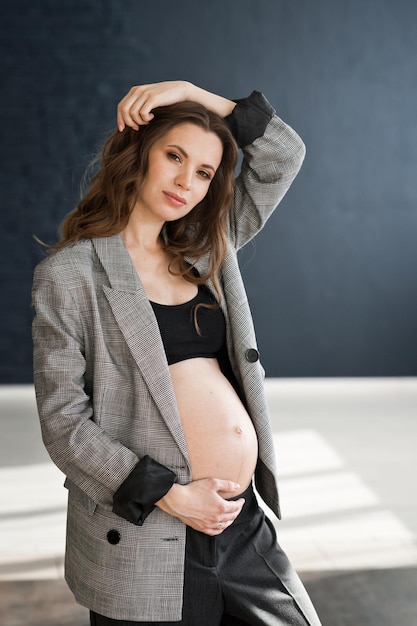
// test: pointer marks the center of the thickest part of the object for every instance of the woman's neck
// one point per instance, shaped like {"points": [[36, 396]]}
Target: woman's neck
{"points": [[141, 234]]}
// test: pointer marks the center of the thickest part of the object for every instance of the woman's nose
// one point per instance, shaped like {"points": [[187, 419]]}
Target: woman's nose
{"points": [[183, 179]]}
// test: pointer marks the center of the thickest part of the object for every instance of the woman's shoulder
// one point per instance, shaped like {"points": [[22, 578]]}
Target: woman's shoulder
{"points": [[68, 261]]}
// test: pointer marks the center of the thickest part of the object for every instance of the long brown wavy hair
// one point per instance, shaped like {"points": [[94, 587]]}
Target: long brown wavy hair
{"points": [[105, 209]]}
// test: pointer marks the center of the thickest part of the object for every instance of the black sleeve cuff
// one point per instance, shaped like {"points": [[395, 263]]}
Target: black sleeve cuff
{"points": [[249, 118], [148, 482]]}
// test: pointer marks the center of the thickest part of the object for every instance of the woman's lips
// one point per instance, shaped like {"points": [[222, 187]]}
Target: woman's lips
{"points": [[175, 199]]}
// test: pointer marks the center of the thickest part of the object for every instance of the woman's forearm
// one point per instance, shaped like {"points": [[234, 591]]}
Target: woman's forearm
{"points": [[218, 104]]}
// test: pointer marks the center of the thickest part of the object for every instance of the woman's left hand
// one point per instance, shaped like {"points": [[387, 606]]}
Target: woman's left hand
{"points": [[135, 108]]}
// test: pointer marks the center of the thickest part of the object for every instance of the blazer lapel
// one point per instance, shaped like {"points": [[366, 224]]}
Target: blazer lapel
{"points": [[137, 322], [241, 337]]}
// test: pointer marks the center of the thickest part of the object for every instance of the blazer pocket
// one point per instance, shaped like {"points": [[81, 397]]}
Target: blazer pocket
{"points": [[77, 494]]}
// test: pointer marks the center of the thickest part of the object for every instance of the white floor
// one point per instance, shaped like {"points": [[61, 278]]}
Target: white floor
{"points": [[347, 462]]}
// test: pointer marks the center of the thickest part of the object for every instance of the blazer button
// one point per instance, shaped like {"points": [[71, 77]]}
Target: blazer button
{"points": [[252, 355], [113, 537]]}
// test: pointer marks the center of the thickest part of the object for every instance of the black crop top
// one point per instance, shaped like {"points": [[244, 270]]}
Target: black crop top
{"points": [[181, 339], [179, 335]]}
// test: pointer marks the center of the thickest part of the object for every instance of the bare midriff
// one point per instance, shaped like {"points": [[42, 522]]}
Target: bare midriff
{"points": [[219, 433]]}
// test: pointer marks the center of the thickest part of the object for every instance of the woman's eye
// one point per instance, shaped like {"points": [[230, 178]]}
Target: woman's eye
{"points": [[204, 174], [174, 157]]}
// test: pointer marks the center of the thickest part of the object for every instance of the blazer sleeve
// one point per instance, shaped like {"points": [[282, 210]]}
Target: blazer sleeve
{"points": [[270, 164], [98, 464]]}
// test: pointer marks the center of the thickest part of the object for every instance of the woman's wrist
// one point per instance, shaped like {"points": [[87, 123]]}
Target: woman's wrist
{"points": [[166, 503]]}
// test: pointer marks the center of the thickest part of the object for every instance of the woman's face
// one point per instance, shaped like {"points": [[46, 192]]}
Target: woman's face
{"points": [[181, 165]]}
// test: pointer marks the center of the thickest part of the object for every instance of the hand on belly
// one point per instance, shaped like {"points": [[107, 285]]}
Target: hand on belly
{"points": [[200, 505]]}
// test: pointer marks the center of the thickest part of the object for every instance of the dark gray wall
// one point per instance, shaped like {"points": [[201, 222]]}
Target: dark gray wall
{"points": [[332, 280]]}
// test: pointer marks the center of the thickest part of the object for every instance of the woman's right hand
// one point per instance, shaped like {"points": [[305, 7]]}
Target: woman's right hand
{"points": [[200, 506]]}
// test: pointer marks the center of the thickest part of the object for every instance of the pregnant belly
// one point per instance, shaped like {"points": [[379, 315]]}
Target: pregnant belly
{"points": [[220, 436]]}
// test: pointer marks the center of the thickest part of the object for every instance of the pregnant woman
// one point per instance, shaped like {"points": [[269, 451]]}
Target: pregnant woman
{"points": [[148, 379]]}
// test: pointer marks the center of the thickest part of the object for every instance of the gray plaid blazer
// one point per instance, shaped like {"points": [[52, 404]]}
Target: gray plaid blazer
{"points": [[105, 396]]}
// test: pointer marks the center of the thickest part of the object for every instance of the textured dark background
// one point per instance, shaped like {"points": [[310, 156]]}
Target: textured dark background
{"points": [[332, 280]]}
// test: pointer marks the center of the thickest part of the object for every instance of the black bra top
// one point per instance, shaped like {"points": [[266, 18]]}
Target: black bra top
{"points": [[179, 335]]}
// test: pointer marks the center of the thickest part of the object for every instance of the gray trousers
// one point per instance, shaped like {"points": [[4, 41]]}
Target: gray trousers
{"points": [[238, 578]]}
